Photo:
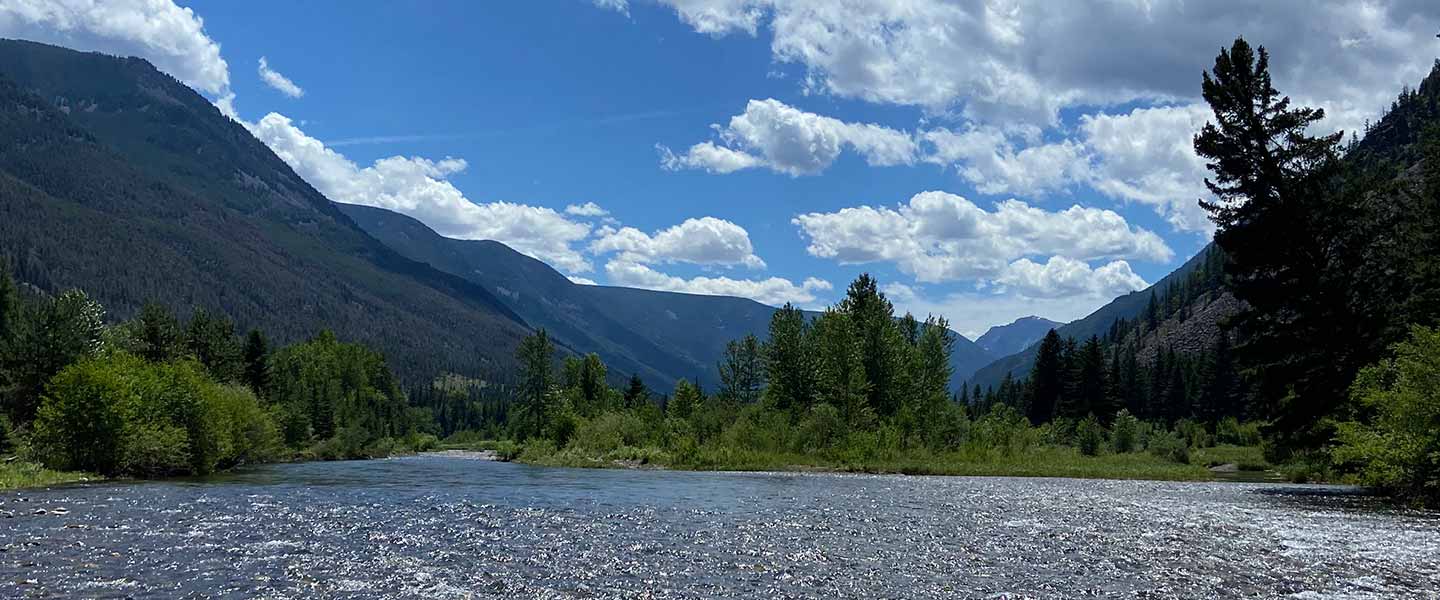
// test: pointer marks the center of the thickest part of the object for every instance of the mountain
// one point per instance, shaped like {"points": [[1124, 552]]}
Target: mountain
{"points": [[117, 179], [1096, 323], [1004, 340], [662, 336]]}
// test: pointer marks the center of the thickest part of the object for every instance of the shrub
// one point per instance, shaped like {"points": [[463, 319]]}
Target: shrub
{"points": [[1399, 449], [1195, 434], [119, 415], [610, 431], [1089, 435], [6, 443], [1231, 431], [1170, 446], [821, 428], [1124, 434]]}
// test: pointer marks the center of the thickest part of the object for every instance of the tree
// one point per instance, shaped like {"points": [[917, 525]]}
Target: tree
{"points": [[930, 377], [1047, 379], [742, 370], [840, 371], [1399, 449], [10, 306], [210, 338], [158, 334], [685, 401], [788, 363], [536, 355], [636, 394], [873, 318], [64, 330], [1085, 393], [257, 368], [1281, 232]]}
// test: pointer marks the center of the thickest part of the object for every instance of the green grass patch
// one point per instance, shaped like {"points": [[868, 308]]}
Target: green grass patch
{"points": [[1044, 461], [1246, 458], [16, 474]]}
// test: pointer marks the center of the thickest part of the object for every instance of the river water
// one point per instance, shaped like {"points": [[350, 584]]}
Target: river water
{"points": [[451, 527]]}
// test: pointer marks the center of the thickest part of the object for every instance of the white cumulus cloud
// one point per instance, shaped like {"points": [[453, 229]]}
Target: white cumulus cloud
{"points": [[169, 36], [417, 187], [702, 241], [588, 209], [773, 291], [1062, 277], [788, 140], [281, 83]]}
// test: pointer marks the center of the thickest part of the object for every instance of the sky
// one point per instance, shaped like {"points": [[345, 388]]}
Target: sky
{"points": [[984, 159]]}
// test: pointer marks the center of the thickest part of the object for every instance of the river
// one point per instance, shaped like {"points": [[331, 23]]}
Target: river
{"points": [[451, 527]]}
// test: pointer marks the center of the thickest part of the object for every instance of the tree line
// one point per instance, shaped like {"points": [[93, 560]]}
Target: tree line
{"points": [[157, 396]]}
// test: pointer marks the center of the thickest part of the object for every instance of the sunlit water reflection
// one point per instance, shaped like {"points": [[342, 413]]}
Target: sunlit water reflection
{"points": [[448, 527]]}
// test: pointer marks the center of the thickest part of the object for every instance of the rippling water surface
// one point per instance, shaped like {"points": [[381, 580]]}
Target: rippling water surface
{"points": [[447, 527]]}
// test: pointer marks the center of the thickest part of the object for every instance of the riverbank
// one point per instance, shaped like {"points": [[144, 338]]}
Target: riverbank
{"points": [[1049, 461], [19, 474]]}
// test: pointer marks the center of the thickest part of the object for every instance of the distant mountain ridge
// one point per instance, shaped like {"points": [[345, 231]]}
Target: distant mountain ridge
{"points": [[1096, 323], [662, 336], [117, 179], [1004, 340]]}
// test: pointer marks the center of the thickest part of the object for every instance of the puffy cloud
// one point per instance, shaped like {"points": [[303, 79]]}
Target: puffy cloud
{"points": [[703, 241], [773, 291], [170, 37], [939, 237], [1030, 58], [1147, 156], [588, 209], [987, 158], [1062, 277], [708, 156], [773, 134], [281, 83], [417, 187]]}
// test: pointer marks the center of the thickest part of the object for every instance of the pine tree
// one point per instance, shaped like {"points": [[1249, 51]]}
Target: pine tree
{"points": [[1047, 379], [536, 355], [211, 340], [257, 368], [158, 334], [636, 394], [1281, 235]]}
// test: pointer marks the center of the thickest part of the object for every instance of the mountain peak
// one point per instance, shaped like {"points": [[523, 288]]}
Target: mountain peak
{"points": [[1004, 340]]}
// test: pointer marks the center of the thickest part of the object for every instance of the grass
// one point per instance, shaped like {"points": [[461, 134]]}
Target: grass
{"points": [[1045, 461], [1246, 458], [18, 474]]}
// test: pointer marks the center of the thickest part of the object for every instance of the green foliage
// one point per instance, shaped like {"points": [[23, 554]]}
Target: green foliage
{"points": [[536, 356], [52, 334], [1398, 449], [1089, 435], [1170, 446], [323, 388], [210, 339], [158, 335], [685, 401], [120, 415], [742, 370], [1124, 432]]}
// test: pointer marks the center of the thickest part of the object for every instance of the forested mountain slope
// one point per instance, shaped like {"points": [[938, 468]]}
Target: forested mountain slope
{"points": [[661, 336], [1097, 323], [117, 179]]}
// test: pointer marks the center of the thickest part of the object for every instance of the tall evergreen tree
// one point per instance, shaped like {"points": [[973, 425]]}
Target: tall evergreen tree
{"points": [[257, 367], [1276, 225], [158, 334], [840, 370], [210, 338], [636, 393], [1047, 379], [536, 355]]}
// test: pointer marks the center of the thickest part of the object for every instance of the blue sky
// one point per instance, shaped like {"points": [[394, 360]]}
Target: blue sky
{"points": [[985, 163]]}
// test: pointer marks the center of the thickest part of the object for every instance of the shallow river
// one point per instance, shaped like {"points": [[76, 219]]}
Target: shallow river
{"points": [[447, 527]]}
